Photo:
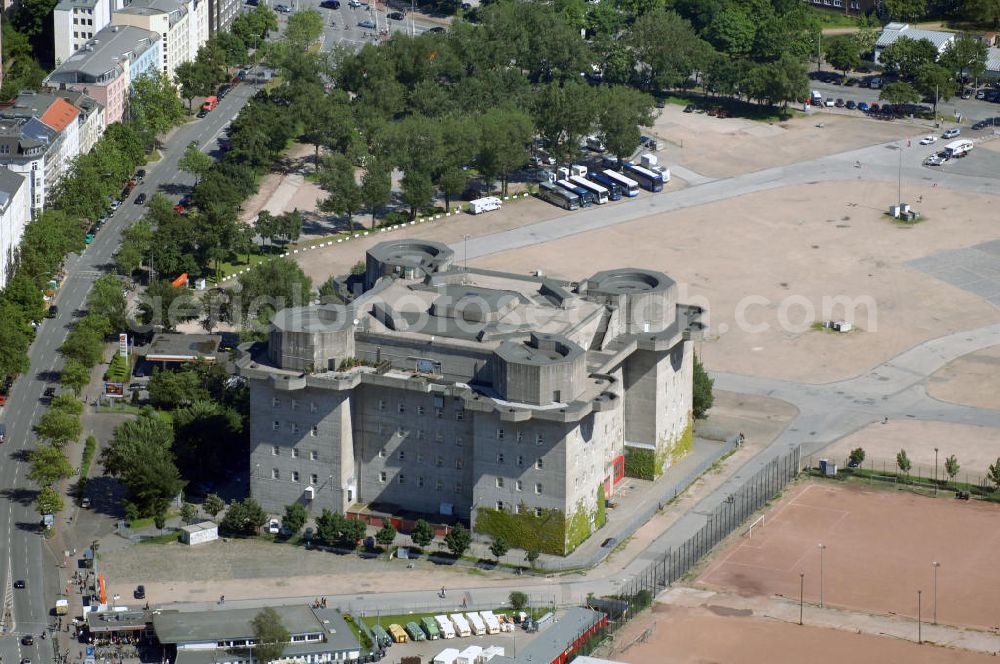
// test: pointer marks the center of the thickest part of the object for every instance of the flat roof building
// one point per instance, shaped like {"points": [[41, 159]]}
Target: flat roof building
{"points": [[175, 348], [895, 31], [479, 395], [557, 643], [225, 636]]}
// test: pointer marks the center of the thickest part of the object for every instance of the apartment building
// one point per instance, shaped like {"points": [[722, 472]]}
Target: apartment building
{"points": [[473, 395], [15, 213], [221, 14], [76, 22], [90, 120], [105, 66], [171, 19]]}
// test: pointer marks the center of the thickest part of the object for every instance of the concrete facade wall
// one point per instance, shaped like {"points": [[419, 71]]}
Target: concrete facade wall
{"points": [[304, 432], [658, 396]]}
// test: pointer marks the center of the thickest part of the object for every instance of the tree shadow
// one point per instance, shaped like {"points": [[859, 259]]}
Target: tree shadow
{"points": [[106, 495], [23, 497], [172, 188]]}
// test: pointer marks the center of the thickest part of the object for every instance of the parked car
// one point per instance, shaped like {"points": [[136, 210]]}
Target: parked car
{"points": [[863, 106], [330, 4], [201, 113], [933, 160], [874, 108], [274, 527], [689, 108], [951, 133], [140, 592], [283, 9], [829, 102], [49, 392], [140, 199], [353, 4], [366, 24], [850, 104], [609, 543], [928, 140], [437, 29], [52, 312], [395, 16], [839, 103]]}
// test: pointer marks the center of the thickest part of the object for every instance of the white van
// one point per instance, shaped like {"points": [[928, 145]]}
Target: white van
{"points": [[486, 204], [595, 144]]}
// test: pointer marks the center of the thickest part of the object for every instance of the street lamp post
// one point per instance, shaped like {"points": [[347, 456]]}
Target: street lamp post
{"points": [[920, 635], [936, 564], [822, 547], [802, 587], [935, 471]]}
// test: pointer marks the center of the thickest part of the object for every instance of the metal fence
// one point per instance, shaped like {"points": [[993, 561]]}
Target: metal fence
{"points": [[639, 591], [919, 473]]}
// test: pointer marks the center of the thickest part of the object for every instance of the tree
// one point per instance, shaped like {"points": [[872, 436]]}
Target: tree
{"points": [[330, 527], [48, 466], [935, 81], [14, 340], [843, 54], [58, 427], [499, 547], [385, 536], [49, 501], [140, 456], [702, 397], [531, 555], [253, 26], [905, 10], [994, 474], [270, 636], [107, 301], [903, 462], [213, 505], [195, 162], [899, 93], [623, 111], [418, 190], [189, 513], [905, 56], [303, 28], [337, 179], [268, 288], [983, 11], [503, 143], [458, 540], [22, 292], [452, 183], [353, 532], [74, 375], [295, 517], [245, 517], [170, 390], [233, 48], [856, 457], [966, 56], [666, 48], [951, 466], [422, 533], [518, 600], [376, 186], [195, 80], [164, 305], [153, 105]]}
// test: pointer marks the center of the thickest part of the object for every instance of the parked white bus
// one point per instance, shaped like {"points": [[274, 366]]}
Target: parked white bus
{"points": [[600, 193], [629, 186]]}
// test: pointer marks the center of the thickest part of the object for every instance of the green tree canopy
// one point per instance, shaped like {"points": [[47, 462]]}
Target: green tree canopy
{"points": [[270, 635], [422, 533], [458, 540], [48, 466], [295, 517], [702, 397], [843, 54]]}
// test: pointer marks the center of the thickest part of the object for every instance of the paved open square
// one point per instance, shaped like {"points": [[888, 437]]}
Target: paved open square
{"points": [[879, 549], [975, 269]]}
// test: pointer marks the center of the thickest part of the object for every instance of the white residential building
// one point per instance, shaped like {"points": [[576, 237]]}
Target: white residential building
{"points": [[75, 22], [171, 19], [15, 213], [198, 25], [91, 120]]}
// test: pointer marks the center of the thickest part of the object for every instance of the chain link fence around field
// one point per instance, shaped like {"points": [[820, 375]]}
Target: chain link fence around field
{"points": [[886, 469], [755, 492]]}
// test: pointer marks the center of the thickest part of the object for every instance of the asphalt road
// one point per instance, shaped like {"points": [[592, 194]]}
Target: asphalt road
{"points": [[341, 25], [23, 552]]}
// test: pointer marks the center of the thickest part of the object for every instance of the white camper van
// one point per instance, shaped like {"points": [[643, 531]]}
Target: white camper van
{"points": [[486, 204]]}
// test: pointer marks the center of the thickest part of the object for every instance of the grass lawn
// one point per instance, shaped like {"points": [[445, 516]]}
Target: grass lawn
{"points": [[165, 538], [228, 268], [119, 406], [153, 156], [828, 19]]}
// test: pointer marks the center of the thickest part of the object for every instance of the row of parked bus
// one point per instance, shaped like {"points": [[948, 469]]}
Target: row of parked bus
{"points": [[577, 187]]}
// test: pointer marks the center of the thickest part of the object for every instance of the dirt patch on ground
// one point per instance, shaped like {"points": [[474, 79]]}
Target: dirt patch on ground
{"points": [[975, 447], [732, 146], [879, 546], [973, 380], [767, 265], [695, 635]]}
